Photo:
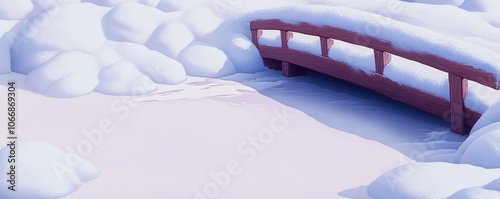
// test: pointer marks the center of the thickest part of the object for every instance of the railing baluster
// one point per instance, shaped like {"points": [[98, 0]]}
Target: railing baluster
{"points": [[458, 89], [381, 60], [326, 44]]}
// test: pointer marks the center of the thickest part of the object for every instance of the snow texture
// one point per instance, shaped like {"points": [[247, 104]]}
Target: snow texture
{"points": [[473, 137], [485, 150], [201, 21], [475, 193], [430, 180], [123, 78], [45, 172], [132, 22], [170, 39], [203, 60], [69, 74]]}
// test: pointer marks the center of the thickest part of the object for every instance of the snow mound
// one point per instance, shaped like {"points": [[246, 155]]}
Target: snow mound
{"points": [[170, 39], [160, 68], [69, 74], [15, 10], [490, 116], [123, 78], [113, 3], [495, 127], [485, 150], [488, 6], [238, 48], [203, 60], [438, 2], [176, 5], [72, 27], [45, 172], [243, 54], [430, 180], [131, 22], [201, 20], [475, 193]]}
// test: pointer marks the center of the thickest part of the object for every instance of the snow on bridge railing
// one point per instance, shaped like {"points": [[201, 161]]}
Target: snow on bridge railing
{"points": [[458, 73]]}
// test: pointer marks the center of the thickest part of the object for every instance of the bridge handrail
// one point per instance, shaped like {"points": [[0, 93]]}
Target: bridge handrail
{"points": [[458, 73]]}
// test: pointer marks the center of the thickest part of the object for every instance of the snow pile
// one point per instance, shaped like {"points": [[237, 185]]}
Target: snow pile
{"points": [[45, 172], [474, 193], [135, 35], [488, 6], [430, 180], [197, 56]]}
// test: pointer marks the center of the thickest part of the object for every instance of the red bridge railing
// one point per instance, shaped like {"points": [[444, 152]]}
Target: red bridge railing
{"points": [[461, 117]]}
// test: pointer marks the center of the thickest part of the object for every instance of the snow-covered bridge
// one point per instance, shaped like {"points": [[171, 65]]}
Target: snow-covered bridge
{"points": [[280, 53]]}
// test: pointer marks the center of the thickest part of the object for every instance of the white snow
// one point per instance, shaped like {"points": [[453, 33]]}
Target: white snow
{"points": [[69, 74], [492, 115], [243, 54], [15, 10], [160, 68], [113, 3], [45, 172], [356, 56], [201, 20], [473, 137], [132, 22], [474, 193], [170, 39], [488, 6], [485, 150], [203, 60], [306, 43], [123, 78], [430, 180]]}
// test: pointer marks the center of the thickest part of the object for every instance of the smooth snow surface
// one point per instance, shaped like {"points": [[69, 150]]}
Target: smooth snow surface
{"points": [[45, 172], [430, 180]]}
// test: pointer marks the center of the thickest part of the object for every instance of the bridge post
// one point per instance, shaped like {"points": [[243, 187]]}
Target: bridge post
{"points": [[287, 69], [458, 89], [381, 60], [255, 36], [326, 44]]}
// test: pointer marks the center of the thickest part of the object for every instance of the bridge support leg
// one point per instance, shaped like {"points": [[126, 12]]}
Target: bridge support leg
{"points": [[291, 70], [458, 89]]}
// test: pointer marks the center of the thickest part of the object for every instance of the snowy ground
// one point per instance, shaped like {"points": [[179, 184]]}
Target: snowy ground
{"points": [[170, 141]]}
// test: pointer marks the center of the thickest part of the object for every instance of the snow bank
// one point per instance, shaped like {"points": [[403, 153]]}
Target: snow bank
{"points": [[475, 193], [489, 6], [203, 60], [69, 74], [201, 20], [132, 22], [485, 150], [160, 68], [491, 116], [430, 180], [113, 3], [473, 137], [243, 54], [123, 78], [170, 39], [45, 172]]}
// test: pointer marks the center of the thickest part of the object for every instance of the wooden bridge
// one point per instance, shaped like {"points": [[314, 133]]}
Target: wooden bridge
{"points": [[292, 62]]}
